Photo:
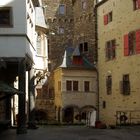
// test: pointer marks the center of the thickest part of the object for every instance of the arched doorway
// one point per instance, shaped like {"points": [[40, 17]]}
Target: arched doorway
{"points": [[69, 115], [88, 114]]}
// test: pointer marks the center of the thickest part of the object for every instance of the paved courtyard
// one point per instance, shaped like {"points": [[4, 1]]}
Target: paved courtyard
{"points": [[73, 133]]}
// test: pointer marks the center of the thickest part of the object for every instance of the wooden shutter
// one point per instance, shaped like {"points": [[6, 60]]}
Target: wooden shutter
{"points": [[105, 19], [138, 4], [138, 41], [77, 60], [126, 45]]}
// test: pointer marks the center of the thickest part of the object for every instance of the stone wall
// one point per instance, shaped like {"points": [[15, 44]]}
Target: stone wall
{"points": [[58, 41], [84, 26], [124, 20]]}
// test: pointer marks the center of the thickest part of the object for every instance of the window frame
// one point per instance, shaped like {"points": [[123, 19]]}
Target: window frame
{"points": [[109, 84], [132, 43], [83, 47], [61, 30], [75, 85], [69, 85], [39, 44], [126, 84], [110, 49], [108, 18], [72, 85], [9, 18], [84, 4], [63, 12], [86, 86]]}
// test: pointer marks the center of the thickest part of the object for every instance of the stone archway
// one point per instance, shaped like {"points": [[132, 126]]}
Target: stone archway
{"points": [[85, 111], [69, 113]]}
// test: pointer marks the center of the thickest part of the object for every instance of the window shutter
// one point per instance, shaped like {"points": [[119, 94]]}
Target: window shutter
{"points": [[105, 19], [138, 4], [77, 60], [138, 41], [126, 45]]}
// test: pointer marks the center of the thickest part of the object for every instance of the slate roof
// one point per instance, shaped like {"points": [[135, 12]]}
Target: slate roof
{"points": [[70, 52]]}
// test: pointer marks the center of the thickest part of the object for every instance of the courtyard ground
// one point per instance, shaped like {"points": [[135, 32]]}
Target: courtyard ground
{"points": [[73, 133]]}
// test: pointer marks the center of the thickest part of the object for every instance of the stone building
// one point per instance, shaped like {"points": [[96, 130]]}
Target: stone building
{"points": [[71, 25], [118, 61], [17, 60], [59, 14], [75, 83], [84, 28]]}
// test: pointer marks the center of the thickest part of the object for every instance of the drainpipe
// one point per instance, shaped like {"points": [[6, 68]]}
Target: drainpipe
{"points": [[96, 49]]}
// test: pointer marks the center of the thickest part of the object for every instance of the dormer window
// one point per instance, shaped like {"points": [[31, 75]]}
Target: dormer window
{"points": [[77, 60]]}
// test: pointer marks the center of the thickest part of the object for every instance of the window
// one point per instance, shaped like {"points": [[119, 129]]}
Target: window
{"points": [[72, 85], [107, 18], [69, 85], [38, 45], [61, 9], [109, 84], [125, 85], [59, 85], [5, 16], [61, 30], [104, 104], [75, 85], [110, 17], [136, 4], [132, 43], [84, 4], [110, 49], [86, 86], [83, 47]]}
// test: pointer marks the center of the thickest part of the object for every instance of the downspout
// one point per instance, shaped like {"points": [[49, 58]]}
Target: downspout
{"points": [[96, 49]]}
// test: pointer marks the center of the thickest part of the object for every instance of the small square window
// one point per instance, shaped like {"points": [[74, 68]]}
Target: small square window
{"points": [[61, 9], [84, 5], [61, 30], [5, 17]]}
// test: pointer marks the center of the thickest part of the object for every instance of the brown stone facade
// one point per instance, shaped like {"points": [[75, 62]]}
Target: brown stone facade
{"points": [[60, 29], [84, 27]]}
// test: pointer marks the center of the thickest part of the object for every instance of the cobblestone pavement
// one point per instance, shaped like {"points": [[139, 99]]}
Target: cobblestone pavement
{"points": [[73, 133]]}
